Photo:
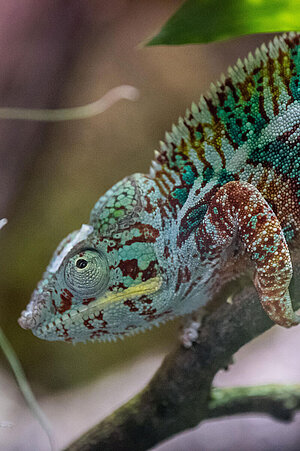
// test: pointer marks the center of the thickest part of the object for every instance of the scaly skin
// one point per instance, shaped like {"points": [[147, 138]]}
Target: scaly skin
{"points": [[222, 197]]}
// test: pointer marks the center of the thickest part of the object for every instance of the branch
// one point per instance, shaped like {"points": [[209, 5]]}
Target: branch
{"points": [[180, 394], [280, 401]]}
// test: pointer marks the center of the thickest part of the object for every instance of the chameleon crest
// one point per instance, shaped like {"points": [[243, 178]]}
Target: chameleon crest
{"points": [[222, 198]]}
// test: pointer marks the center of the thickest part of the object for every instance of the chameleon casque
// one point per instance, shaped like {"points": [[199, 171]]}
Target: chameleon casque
{"points": [[222, 198]]}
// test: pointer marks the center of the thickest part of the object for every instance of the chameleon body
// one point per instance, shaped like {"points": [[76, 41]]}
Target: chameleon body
{"points": [[222, 198]]}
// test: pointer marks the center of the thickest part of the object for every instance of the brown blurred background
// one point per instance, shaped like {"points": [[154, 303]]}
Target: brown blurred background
{"points": [[59, 54]]}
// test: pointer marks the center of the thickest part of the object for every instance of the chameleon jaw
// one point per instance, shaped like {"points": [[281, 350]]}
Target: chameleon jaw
{"points": [[29, 318], [74, 317]]}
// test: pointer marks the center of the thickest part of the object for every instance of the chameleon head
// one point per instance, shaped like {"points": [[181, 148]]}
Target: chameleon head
{"points": [[105, 279]]}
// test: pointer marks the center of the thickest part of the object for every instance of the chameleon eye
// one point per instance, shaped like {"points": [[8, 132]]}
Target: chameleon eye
{"points": [[87, 273], [81, 263]]}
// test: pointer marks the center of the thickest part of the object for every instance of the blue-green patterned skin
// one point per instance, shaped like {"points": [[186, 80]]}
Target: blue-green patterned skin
{"points": [[221, 199]]}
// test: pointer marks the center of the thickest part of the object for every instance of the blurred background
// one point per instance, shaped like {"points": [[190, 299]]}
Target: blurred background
{"points": [[60, 54]]}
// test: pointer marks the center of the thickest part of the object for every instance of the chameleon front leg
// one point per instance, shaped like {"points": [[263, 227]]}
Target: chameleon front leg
{"points": [[239, 211]]}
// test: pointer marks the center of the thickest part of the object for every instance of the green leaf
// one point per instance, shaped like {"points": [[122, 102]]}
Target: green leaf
{"points": [[199, 21]]}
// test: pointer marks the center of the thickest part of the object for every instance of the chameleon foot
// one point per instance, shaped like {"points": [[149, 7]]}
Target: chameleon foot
{"points": [[191, 328]]}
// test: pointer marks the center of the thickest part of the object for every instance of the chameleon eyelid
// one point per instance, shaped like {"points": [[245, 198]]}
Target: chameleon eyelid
{"points": [[82, 234]]}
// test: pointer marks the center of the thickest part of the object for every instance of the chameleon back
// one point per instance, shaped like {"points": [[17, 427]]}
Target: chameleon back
{"points": [[247, 128]]}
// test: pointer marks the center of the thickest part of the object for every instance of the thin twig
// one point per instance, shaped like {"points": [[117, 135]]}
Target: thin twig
{"points": [[25, 388], [22, 381], [69, 114]]}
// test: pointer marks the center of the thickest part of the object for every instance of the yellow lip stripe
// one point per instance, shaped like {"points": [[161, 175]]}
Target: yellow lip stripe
{"points": [[149, 287]]}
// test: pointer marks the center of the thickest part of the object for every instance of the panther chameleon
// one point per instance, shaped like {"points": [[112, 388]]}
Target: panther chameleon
{"points": [[222, 198]]}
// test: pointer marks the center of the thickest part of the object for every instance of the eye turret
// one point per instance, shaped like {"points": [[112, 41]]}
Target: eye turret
{"points": [[87, 273]]}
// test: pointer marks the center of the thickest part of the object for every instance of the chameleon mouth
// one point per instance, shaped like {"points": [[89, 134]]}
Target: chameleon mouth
{"points": [[85, 312], [30, 318]]}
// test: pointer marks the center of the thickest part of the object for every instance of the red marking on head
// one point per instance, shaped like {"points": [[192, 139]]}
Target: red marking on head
{"points": [[115, 245], [149, 208], [150, 271], [66, 298], [119, 285], [87, 324], [99, 333], [88, 300], [63, 333], [54, 305], [147, 234], [99, 317], [131, 305], [148, 311], [154, 317], [145, 300], [129, 268]]}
